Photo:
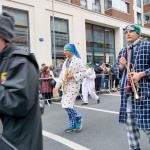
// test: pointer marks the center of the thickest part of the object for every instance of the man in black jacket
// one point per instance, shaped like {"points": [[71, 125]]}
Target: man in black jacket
{"points": [[19, 106], [98, 70]]}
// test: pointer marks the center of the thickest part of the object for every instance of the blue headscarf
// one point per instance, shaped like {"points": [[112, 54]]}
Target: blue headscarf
{"points": [[72, 49]]}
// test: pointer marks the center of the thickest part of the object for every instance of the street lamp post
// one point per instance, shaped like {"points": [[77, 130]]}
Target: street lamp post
{"points": [[53, 33]]}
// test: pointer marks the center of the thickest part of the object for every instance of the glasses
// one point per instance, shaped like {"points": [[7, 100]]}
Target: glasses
{"points": [[129, 28]]}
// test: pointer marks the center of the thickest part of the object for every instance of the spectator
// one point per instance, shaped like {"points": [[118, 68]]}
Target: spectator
{"points": [[40, 73], [52, 75], [72, 73], [105, 78], [58, 69], [116, 80], [98, 71], [57, 73], [111, 76], [46, 89]]}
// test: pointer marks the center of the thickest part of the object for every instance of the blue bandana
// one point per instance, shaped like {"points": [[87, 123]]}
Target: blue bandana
{"points": [[72, 49]]}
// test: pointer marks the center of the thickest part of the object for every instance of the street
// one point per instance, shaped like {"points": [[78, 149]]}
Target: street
{"points": [[101, 130]]}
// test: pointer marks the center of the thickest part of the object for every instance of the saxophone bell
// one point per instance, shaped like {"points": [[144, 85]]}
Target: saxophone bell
{"points": [[65, 81]]}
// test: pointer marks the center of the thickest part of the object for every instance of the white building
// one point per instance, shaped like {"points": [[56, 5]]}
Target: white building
{"points": [[94, 26]]}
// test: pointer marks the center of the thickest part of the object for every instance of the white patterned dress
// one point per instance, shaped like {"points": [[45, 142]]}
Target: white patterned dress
{"points": [[78, 70]]}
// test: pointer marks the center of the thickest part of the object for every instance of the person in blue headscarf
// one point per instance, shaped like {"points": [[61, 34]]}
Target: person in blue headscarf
{"points": [[71, 48], [73, 71]]}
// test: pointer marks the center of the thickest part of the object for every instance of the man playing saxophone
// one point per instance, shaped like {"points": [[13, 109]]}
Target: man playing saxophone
{"points": [[134, 109], [73, 71]]}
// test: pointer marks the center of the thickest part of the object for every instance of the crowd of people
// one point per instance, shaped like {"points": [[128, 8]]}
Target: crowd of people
{"points": [[19, 75], [105, 80], [47, 82]]}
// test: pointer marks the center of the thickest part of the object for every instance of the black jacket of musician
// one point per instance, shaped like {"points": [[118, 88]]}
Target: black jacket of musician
{"points": [[19, 105]]}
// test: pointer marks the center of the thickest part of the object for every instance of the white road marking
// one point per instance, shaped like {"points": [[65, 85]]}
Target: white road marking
{"points": [[112, 94], [102, 110], [95, 109], [64, 141], [69, 143]]}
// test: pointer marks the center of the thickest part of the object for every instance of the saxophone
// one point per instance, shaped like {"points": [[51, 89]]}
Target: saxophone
{"points": [[134, 86], [65, 81]]}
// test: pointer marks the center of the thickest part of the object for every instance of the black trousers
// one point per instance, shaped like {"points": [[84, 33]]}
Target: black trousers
{"points": [[97, 83]]}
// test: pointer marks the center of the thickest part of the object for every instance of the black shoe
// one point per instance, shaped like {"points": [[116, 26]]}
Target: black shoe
{"points": [[84, 103], [98, 101], [68, 130], [50, 101], [47, 102]]}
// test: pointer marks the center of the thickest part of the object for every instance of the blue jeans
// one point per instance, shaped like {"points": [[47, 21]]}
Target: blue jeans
{"points": [[106, 83], [102, 82]]}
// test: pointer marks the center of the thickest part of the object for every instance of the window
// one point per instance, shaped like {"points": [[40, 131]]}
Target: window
{"points": [[61, 34], [83, 3], [138, 2], [139, 20], [126, 7], [108, 4], [146, 1], [118, 4], [124, 40], [147, 17], [96, 6], [21, 38], [69, 1], [109, 35], [99, 41], [96, 2]]}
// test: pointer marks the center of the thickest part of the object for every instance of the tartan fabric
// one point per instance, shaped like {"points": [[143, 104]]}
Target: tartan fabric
{"points": [[133, 133], [148, 134], [141, 109], [74, 116]]}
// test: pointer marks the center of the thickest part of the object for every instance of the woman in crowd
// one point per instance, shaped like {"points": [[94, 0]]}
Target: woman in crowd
{"points": [[46, 89]]}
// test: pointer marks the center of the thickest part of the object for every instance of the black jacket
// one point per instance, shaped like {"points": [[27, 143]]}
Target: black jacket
{"points": [[19, 105], [97, 69]]}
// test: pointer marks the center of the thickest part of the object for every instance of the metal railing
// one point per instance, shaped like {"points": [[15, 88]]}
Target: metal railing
{"points": [[107, 83]]}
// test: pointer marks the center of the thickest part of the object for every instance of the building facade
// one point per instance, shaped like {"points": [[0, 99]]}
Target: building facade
{"points": [[94, 26]]}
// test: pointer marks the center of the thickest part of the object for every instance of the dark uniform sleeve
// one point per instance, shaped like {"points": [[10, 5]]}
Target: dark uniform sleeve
{"points": [[20, 89]]}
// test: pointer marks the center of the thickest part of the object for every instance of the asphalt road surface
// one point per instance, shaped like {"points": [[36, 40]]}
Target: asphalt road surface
{"points": [[101, 130]]}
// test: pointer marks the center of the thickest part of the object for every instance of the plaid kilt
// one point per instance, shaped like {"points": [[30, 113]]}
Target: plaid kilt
{"points": [[141, 108]]}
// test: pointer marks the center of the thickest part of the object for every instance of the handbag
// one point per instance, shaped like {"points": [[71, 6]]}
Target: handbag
{"points": [[52, 83]]}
